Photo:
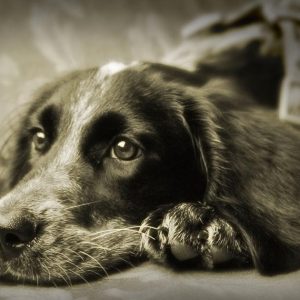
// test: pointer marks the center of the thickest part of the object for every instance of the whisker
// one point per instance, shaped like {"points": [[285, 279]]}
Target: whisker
{"points": [[80, 205], [95, 244], [47, 269], [127, 262], [124, 228], [70, 262], [114, 229], [147, 226], [76, 253], [104, 233], [98, 263], [32, 274], [68, 277], [63, 278], [77, 274], [112, 232], [148, 236]]}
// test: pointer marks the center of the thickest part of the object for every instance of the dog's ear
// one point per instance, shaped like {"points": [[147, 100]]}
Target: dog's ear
{"points": [[8, 148], [204, 123], [198, 94], [13, 151]]}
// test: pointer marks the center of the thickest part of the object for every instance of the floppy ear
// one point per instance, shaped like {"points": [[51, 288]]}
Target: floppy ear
{"points": [[210, 131], [198, 95], [203, 123], [13, 150], [8, 148]]}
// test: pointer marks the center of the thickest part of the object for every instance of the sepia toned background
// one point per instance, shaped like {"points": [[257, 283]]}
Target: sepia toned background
{"points": [[41, 39]]}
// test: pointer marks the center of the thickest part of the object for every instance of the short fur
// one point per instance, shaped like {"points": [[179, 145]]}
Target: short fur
{"points": [[216, 174]]}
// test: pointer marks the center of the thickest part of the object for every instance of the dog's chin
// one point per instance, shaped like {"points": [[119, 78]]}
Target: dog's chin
{"points": [[74, 254]]}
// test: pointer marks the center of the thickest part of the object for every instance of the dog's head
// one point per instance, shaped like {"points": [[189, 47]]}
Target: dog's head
{"points": [[95, 153]]}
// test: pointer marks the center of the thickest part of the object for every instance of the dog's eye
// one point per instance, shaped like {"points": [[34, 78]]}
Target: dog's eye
{"points": [[124, 149], [39, 140]]}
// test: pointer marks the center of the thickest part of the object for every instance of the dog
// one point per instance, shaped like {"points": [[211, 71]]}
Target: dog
{"points": [[111, 165]]}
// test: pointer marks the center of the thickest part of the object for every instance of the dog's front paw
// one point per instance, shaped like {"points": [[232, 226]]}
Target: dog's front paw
{"points": [[180, 233]]}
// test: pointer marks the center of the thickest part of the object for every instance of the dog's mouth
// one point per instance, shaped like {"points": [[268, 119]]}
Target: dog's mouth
{"points": [[70, 254]]}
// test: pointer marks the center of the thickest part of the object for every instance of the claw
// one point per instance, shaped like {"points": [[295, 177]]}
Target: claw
{"points": [[183, 252]]}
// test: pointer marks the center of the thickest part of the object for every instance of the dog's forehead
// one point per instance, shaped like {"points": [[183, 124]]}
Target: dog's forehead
{"points": [[109, 69], [95, 85], [88, 95], [110, 86]]}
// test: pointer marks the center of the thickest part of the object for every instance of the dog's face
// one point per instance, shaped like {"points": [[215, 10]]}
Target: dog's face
{"points": [[95, 154]]}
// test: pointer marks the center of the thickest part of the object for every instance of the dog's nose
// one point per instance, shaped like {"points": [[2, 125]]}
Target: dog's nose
{"points": [[16, 232]]}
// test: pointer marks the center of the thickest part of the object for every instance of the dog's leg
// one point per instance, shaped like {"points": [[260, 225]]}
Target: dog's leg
{"points": [[192, 232]]}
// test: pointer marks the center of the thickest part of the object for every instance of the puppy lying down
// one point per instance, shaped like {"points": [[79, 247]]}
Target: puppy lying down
{"points": [[112, 165]]}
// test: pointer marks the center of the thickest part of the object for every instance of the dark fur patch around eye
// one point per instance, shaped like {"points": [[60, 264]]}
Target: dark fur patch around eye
{"points": [[49, 119], [105, 127], [101, 132]]}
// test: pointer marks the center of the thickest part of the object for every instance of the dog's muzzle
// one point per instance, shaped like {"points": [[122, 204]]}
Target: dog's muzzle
{"points": [[17, 231]]}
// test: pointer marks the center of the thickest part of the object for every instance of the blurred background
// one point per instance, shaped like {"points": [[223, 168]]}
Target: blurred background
{"points": [[40, 39]]}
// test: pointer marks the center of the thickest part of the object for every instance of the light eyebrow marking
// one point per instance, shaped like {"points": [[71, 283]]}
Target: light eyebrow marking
{"points": [[81, 111], [109, 70], [82, 108]]}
